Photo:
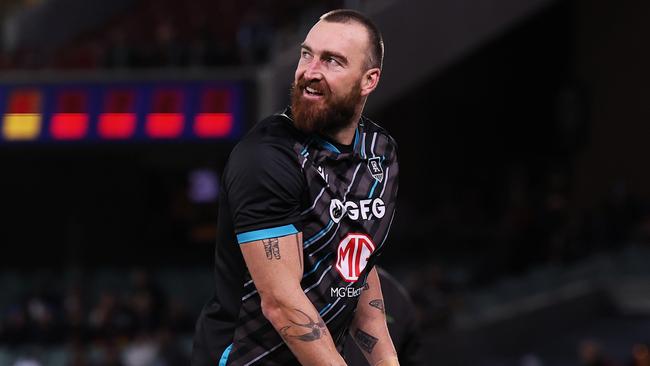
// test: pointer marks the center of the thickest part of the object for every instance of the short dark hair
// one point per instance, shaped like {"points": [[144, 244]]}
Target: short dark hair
{"points": [[376, 57]]}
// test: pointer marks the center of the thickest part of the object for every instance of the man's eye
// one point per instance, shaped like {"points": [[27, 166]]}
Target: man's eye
{"points": [[333, 61], [305, 54]]}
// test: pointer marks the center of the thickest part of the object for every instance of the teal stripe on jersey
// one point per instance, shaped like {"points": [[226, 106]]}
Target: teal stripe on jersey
{"points": [[316, 265], [275, 232], [373, 188], [304, 150], [224, 355], [329, 146], [319, 235], [323, 310]]}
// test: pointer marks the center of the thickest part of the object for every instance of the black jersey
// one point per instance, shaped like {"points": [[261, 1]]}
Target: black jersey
{"points": [[277, 182]]}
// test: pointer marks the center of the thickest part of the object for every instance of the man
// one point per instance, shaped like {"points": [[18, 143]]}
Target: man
{"points": [[307, 201]]}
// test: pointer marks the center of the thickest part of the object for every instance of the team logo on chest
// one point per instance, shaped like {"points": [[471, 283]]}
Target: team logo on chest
{"points": [[374, 166], [352, 256]]}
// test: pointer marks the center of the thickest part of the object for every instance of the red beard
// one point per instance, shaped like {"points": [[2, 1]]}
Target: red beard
{"points": [[326, 116]]}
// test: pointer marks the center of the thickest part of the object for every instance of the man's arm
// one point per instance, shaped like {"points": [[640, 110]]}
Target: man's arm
{"points": [[369, 329], [275, 265]]}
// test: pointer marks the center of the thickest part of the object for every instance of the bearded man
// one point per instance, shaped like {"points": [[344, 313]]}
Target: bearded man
{"points": [[308, 197]]}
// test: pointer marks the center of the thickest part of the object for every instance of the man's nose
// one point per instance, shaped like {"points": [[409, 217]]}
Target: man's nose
{"points": [[313, 71]]}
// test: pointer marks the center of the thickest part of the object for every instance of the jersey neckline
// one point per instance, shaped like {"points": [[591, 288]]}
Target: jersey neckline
{"points": [[327, 143]]}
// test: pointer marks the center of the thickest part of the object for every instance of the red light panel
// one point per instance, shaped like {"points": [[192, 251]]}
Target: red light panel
{"points": [[70, 122], [119, 101], [72, 101], [210, 125], [167, 101], [69, 126], [116, 125], [24, 101], [165, 125], [215, 101]]}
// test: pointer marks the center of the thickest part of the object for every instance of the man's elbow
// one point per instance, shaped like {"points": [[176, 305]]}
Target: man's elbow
{"points": [[278, 302], [272, 308], [280, 299]]}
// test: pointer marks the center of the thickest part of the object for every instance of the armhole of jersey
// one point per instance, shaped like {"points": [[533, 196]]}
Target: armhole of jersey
{"points": [[274, 232]]}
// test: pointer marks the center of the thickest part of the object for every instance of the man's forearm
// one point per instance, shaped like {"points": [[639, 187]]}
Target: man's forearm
{"points": [[369, 329], [375, 343], [301, 328]]}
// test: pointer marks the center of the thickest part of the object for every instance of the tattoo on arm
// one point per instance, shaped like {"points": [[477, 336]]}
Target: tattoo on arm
{"points": [[272, 248], [379, 304], [316, 329], [365, 341]]}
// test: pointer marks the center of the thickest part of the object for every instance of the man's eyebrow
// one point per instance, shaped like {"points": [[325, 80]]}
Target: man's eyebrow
{"points": [[343, 59], [326, 54]]}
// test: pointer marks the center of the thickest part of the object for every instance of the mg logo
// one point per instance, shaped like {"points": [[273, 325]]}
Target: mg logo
{"points": [[352, 256]]}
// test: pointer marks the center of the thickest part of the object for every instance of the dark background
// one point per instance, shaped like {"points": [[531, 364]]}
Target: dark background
{"points": [[523, 173]]}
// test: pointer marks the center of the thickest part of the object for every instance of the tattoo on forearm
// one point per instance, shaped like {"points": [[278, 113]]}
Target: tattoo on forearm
{"points": [[365, 341], [379, 304], [272, 248], [316, 329]]}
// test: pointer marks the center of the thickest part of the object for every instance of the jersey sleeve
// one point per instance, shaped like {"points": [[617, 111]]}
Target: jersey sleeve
{"points": [[264, 184]]}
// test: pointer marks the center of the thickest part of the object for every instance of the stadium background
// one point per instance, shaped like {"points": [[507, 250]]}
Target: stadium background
{"points": [[523, 226]]}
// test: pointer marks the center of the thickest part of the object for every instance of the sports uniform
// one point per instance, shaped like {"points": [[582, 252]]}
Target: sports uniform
{"points": [[280, 181]]}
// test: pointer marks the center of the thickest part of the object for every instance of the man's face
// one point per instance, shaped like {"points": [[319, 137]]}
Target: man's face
{"points": [[327, 87]]}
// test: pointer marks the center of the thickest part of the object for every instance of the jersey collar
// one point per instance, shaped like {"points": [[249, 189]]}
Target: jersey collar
{"points": [[330, 148]]}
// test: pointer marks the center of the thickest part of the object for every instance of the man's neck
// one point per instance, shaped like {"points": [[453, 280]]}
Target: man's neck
{"points": [[345, 136]]}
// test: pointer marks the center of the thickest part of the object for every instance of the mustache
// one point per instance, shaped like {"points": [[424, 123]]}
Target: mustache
{"points": [[320, 85]]}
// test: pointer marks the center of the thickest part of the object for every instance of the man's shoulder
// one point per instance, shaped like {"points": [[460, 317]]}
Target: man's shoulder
{"points": [[270, 138], [371, 128], [276, 129]]}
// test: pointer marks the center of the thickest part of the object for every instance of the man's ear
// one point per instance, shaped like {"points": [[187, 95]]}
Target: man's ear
{"points": [[369, 81]]}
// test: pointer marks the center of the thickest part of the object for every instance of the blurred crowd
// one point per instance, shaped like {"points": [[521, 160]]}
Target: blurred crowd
{"points": [[141, 325], [504, 226], [591, 353], [168, 33], [475, 245]]}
